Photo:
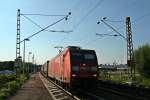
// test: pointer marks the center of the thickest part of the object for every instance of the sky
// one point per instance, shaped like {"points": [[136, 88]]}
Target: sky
{"points": [[82, 22]]}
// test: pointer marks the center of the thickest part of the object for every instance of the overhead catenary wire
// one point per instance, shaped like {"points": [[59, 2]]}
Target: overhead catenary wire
{"points": [[141, 17], [73, 9], [124, 8], [91, 41], [87, 14], [115, 35], [110, 34], [45, 28], [121, 21], [134, 21], [77, 4], [32, 21], [113, 29], [114, 20], [102, 35], [131, 4], [42, 28], [64, 31], [42, 15]]}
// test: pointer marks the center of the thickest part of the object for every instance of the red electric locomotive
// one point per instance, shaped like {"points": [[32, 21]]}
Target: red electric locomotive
{"points": [[74, 67]]}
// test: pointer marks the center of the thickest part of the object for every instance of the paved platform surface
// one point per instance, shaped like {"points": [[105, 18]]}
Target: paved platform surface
{"points": [[33, 89]]}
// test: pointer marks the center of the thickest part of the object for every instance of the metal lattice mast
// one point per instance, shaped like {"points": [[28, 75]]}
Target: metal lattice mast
{"points": [[18, 35], [130, 53]]}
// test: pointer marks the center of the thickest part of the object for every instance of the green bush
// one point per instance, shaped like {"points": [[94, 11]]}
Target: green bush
{"points": [[10, 83], [13, 85], [142, 57], [21, 79], [144, 82], [6, 78], [4, 93]]}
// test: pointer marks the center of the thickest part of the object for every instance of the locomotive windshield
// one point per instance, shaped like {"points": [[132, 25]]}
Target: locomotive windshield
{"points": [[89, 56], [83, 56], [77, 57]]}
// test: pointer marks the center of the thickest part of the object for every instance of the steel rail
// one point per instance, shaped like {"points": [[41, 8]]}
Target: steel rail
{"points": [[65, 91]]}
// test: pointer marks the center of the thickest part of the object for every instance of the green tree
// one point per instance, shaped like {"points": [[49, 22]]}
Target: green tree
{"points": [[142, 57]]}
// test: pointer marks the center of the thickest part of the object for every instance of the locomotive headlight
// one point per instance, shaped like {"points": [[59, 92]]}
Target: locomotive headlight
{"points": [[94, 75], [93, 68], [75, 68], [74, 75]]}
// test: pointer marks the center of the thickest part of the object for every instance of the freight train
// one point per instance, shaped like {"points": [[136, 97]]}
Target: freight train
{"points": [[73, 67]]}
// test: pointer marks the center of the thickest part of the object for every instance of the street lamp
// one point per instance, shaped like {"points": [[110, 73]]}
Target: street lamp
{"points": [[29, 61], [26, 39], [33, 63]]}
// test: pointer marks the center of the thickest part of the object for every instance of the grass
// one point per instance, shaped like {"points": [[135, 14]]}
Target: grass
{"points": [[143, 81], [9, 84], [6, 78], [4, 93], [123, 78]]}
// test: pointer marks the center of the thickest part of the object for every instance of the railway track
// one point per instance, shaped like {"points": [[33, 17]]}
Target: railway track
{"points": [[104, 91], [111, 91], [111, 94], [92, 96], [57, 92]]}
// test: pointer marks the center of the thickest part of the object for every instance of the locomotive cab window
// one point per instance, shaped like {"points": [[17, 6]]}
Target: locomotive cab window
{"points": [[89, 56], [83, 56], [77, 57]]}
